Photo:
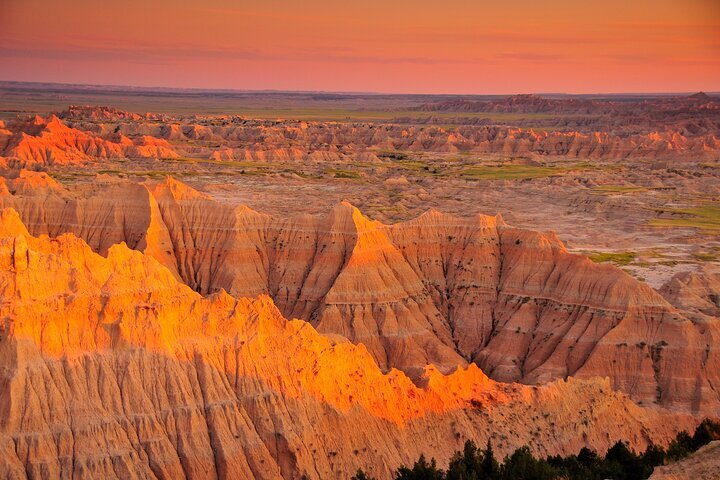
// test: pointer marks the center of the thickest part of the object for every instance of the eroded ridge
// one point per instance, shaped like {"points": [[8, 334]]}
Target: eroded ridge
{"points": [[435, 290], [114, 369]]}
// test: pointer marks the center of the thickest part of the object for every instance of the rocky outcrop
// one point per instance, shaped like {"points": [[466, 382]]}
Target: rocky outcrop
{"points": [[696, 293], [701, 465], [85, 134], [437, 289], [41, 142], [114, 369], [311, 141]]}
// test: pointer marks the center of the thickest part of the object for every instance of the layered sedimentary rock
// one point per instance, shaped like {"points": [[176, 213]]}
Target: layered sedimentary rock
{"points": [[437, 289], [95, 133], [114, 369], [696, 293], [48, 141]]}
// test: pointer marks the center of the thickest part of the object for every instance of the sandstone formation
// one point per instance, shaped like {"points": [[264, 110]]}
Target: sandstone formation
{"points": [[437, 289], [114, 369]]}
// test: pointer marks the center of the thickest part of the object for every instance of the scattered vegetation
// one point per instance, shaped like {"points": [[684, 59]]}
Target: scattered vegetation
{"points": [[618, 258], [619, 463], [337, 173]]}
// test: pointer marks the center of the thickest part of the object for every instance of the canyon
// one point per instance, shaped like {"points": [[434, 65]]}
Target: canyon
{"points": [[114, 369], [433, 290], [335, 282]]}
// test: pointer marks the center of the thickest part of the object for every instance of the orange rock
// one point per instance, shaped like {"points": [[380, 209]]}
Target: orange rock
{"points": [[42, 142], [114, 369], [438, 289]]}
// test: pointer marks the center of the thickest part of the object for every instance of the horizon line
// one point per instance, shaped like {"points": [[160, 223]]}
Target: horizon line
{"points": [[340, 92]]}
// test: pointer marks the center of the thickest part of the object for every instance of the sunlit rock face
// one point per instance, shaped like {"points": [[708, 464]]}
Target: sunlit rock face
{"points": [[435, 290], [112, 368], [40, 142]]}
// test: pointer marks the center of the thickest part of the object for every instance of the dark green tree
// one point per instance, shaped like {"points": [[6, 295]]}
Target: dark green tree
{"points": [[422, 470], [522, 465], [490, 467], [588, 458], [625, 464], [680, 447], [571, 468], [651, 458], [466, 465], [705, 433]]}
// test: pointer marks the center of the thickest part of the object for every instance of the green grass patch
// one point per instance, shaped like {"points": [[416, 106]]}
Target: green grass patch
{"points": [[617, 189], [413, 165], [516, 172], [705, 218], [618, 258]]}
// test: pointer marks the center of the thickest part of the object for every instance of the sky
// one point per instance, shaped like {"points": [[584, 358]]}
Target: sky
{"points": [[395, 46]]}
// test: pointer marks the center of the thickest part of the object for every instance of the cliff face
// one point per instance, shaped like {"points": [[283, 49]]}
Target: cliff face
{"points": [[114, 369], [437, 289]]}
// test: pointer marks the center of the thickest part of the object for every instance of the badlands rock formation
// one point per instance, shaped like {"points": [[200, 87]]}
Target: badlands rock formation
{"points": [[114, 369], [696, 293], [437, 289], [48, 141], [84, 134]]}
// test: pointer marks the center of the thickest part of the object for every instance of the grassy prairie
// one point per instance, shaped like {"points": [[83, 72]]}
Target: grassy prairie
{"points": [[256, 105], [705, 218]]}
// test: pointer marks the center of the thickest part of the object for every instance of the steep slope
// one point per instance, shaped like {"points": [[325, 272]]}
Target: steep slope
{"points": [[701, 465], [696, 293], [113, 369], [436, 289]]}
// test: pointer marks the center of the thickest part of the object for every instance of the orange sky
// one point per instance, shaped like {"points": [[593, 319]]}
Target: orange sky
{"points": [[418, 46]]}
